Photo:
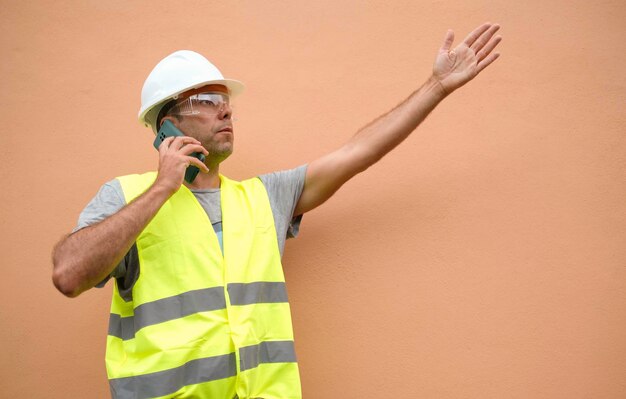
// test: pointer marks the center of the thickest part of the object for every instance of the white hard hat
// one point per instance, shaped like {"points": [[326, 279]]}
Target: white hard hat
{"points": [[178, 72]]}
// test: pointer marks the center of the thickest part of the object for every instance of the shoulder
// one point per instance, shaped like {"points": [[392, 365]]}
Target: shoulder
{"points": [[108, 200], [284, 189], [142, 179], [289, 177], [111, 197], [133, 185]]}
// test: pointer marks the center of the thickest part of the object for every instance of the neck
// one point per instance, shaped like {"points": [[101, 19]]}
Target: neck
{"points": [[206, 180]]}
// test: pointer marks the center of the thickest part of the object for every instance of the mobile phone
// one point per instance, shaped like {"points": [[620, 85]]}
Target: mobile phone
{"points": [[169, 130]]}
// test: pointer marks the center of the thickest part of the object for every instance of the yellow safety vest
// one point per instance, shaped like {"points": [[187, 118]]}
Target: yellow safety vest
{"points": [[201, 324]]}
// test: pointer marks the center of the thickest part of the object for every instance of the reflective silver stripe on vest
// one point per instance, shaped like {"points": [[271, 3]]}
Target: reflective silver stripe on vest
{"points": [[166, 382], [166, 309], [121, 327], [259, 292], [266, 352]]}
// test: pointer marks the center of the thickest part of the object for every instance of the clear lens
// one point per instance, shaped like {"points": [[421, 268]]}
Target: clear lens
{"points": [[208, 103]]}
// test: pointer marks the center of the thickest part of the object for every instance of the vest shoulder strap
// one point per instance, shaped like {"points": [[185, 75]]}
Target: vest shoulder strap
{"points": [[134, 185]]}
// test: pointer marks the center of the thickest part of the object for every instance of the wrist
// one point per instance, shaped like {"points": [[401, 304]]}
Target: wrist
{"points": [[437, 88], [160, 191]]}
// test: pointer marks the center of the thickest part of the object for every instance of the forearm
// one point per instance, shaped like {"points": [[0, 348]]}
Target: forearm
{"points": [[327, 174], [383, 134], [83, 259], [452, 69]]}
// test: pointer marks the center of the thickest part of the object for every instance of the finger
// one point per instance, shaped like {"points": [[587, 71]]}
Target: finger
{"points": [[189, 148], [485, 38], [196, 162], [488, 48], [475, 34], [447, 41], [180, 141], [486, 62], [165, 144]]}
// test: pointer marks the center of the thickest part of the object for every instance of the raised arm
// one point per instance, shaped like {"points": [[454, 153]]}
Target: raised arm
{"points": [[85, 258], [452, 69]]}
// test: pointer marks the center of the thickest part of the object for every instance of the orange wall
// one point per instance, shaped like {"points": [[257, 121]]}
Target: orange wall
{"points": [[484, 258]]}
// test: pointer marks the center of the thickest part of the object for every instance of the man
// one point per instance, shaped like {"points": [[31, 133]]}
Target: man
{"points": [[199, 307]]}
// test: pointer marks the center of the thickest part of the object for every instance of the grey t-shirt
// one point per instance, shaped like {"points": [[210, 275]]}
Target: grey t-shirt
{"points": [[283, 189]]}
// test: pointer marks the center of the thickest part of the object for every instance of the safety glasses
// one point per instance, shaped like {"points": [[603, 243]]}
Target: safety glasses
{"points": [[208, 103]]}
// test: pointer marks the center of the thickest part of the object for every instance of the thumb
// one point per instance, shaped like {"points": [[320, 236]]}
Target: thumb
{"points": [[452, 56], [447, 41]]}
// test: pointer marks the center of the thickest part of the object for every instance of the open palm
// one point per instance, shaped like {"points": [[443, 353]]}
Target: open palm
{"points": [[453, 68]]}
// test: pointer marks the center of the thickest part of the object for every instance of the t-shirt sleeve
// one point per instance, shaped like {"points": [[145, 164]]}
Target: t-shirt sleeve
{"points": [[284, 189], [109, 200]]}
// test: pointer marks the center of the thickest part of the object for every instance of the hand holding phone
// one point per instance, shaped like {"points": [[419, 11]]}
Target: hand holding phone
{"points": [[169, 130]]}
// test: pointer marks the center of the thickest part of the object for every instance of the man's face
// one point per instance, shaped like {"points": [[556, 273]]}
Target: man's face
{"points": [[213, 130]]}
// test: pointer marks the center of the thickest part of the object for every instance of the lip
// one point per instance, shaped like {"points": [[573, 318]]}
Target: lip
{"points": [[228, 129]]}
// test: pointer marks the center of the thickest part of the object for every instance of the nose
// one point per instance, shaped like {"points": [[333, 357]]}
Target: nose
{"points": [[226, 111]]}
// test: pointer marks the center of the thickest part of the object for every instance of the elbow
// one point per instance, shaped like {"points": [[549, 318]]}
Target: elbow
{"points": [[65, 285], [62, 278]]}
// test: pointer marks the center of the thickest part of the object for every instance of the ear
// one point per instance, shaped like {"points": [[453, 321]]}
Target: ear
{"points": [[169, 118]]}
